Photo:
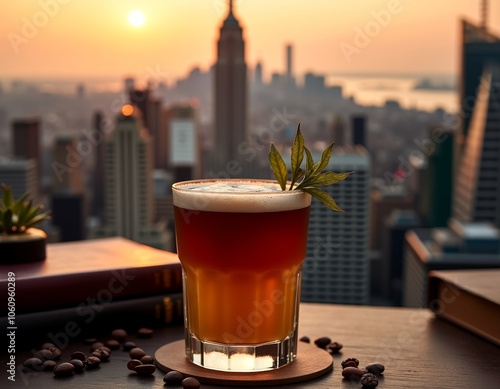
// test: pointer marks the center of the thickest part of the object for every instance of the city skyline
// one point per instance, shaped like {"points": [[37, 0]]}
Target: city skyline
{"points": [[56, 38]]}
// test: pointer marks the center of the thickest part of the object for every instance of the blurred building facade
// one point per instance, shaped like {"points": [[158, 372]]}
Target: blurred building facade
{"points": [[337, 265], [129, 184], [231, 102]]}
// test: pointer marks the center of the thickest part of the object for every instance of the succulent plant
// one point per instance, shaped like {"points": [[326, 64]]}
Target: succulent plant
{"points": [[17, 216]]}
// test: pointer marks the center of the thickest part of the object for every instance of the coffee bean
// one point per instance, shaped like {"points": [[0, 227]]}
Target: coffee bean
{"points": [[119, 334], [147, 369], [173, 377], [133, 363], [92, 362], [102, 354], [78, 364], [33, 363], [47, 345], [147, 359], [136, 353], [44, 354], [96, 345], [353, 362], [351, 372], [145, 333], [375, 368], [49, 365], [78, 355], [322, 342], [129, 345], [56, 351], [113, 344], [334, 347], [63, 369], [369, 381], [89, 340], [305, 339], [190, 383]]}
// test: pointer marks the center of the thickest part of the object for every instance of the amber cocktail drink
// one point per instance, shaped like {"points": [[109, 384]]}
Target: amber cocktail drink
{"points": [[241, 244]]}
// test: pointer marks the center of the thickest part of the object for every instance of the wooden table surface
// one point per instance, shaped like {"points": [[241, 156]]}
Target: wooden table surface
{"points": [[418, 351]]}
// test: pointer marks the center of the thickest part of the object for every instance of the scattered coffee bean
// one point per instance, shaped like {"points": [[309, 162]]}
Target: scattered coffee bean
{"points": [[33, 363], [190, 383], [305, 339], [334, 347], [375, 368], [353, 362], [78, 364], [44, 354], [78, 355], [145, 333], [133, 363], [63, 369], [173, 377], [49, 365], [136, 353], [47, 345], [56, 351], [89, 340], [96, 345], [147, 369], [351, 372], [113, 344], [102, 354], [369, 380], [127, 346], [119, 334], [322, 342], [147, 359], [92, 362]]}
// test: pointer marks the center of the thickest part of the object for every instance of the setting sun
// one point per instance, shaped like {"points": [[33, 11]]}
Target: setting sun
{"points": [[136, 18]]}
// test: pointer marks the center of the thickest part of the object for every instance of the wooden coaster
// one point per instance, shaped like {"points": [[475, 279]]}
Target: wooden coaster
{"points": [[311, 362]]}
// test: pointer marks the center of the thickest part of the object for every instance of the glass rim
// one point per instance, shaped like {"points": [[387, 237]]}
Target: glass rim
{"points": [[178, 186]]}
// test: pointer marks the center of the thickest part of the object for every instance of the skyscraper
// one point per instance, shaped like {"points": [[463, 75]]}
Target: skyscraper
{"points": [[290, 79], [477, 189], [337, 265], [20, 175], [479, 48], [26, 140], [129, 183], [230, 97]]}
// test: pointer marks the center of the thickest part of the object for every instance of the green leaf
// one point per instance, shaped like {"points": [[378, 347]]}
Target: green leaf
{"points": [[19, 203], [325, 160], [324, 197], [7, 219], [297, 156], [278, 166], [309, 162], [23, 214], [7, 195], [37, 219], [324, 179]]}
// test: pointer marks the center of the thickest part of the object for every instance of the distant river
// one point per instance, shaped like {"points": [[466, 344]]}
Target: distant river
{"points": [[438, 92]]}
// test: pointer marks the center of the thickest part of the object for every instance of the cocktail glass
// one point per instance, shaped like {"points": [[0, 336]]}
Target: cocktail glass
{"points": [[241, 244]]}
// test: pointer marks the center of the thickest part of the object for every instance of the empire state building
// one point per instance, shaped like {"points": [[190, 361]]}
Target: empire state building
{"points": [[230, 101]]}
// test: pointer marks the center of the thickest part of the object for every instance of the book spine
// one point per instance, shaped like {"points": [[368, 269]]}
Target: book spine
{"points": [[96, 320], [47, 293]]}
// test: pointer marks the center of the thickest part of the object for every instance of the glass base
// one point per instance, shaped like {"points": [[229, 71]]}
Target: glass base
{"points": [[241, 357]]}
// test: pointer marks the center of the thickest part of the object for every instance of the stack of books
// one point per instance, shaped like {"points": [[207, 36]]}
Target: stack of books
{"points": [[87, 288]]}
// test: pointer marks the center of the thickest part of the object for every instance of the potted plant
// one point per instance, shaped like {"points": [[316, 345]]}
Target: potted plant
{"points": [[20, 241]]}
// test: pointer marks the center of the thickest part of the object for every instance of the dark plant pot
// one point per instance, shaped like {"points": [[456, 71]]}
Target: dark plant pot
{"points": [[23, 248]]}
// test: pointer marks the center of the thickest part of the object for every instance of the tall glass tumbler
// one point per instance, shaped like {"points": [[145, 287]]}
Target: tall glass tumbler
{"points": [[241, 244]]}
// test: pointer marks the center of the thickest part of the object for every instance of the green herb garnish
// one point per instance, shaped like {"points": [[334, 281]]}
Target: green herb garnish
{"points": [[310, 179]]}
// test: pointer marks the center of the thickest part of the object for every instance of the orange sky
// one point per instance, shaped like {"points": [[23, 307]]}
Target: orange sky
{"points": [[80, 38]]}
